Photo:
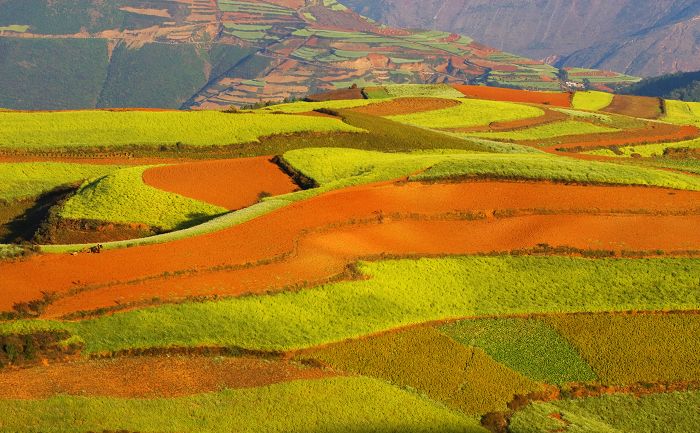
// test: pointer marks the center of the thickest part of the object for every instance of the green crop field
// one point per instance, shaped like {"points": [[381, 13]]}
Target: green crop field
{"points": [[683, 113], [662, 413], [528, 346], [624, 350], [471, 112], [103, 129], [550, 130], [123, 197], [29, 179], [397, 293], [335, 168], [592, 101], [545, 167], [434, 364], [414, 90], [332, 404], [645, 150]]}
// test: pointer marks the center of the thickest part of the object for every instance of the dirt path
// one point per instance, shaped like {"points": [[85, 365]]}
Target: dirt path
{"points": [[258, 255], [229, 183], [149, 377]]}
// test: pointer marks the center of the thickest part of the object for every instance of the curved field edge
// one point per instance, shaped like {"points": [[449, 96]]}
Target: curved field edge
{"points": [[123, 197], [661, 413], [104, 129], [337, 168], [395, 294], [325, 405]]}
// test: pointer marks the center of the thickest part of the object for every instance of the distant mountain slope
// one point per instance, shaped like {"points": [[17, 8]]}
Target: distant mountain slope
{"points": [[216, 53], [637, 37], [680, 86]]}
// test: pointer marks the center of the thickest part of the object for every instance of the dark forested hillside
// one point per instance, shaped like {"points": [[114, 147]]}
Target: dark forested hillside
{"points": [[681, 86]]}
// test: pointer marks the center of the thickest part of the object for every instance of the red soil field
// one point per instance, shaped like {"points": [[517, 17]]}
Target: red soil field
{"points": [[149, 377], [557, 99], [313, 240], [405, 106], [230, 183]]}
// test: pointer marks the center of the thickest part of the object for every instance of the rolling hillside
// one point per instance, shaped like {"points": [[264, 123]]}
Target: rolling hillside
{"points": [[637, 37], [213, 54]]}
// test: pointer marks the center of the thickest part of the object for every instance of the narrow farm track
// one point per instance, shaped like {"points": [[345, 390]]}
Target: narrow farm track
{"points": [[150, 377], [313, 240], [230, 183]]}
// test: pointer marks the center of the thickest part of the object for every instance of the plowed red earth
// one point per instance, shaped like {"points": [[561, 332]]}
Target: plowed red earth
{"points": [[558, 99], [406, 106], [149, 377], [232, 183], [313, 240]]}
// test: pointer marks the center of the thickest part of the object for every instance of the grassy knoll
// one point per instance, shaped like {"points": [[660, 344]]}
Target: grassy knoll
{"points": [[471, 112], [547, 167], [550, 130], [682, 113], [434, 364], [592, 101], [528, 346], [398, 293], [661, 413], [123, 197], [629, 349], [102, 129], [329, 405], [29, 179]]}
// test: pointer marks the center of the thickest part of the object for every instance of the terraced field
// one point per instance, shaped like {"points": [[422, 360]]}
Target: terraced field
{"points": [[424, 259]]}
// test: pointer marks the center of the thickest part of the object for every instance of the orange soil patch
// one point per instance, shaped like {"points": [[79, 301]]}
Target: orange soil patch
{"points": [[635, 106], [550, 116], [231, 183], [405, 106], [558, 99], [652, 133], [149, 377], [313, 240]]}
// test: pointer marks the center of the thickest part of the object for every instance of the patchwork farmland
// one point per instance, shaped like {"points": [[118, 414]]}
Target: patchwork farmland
{"points": [[419, 258]]}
